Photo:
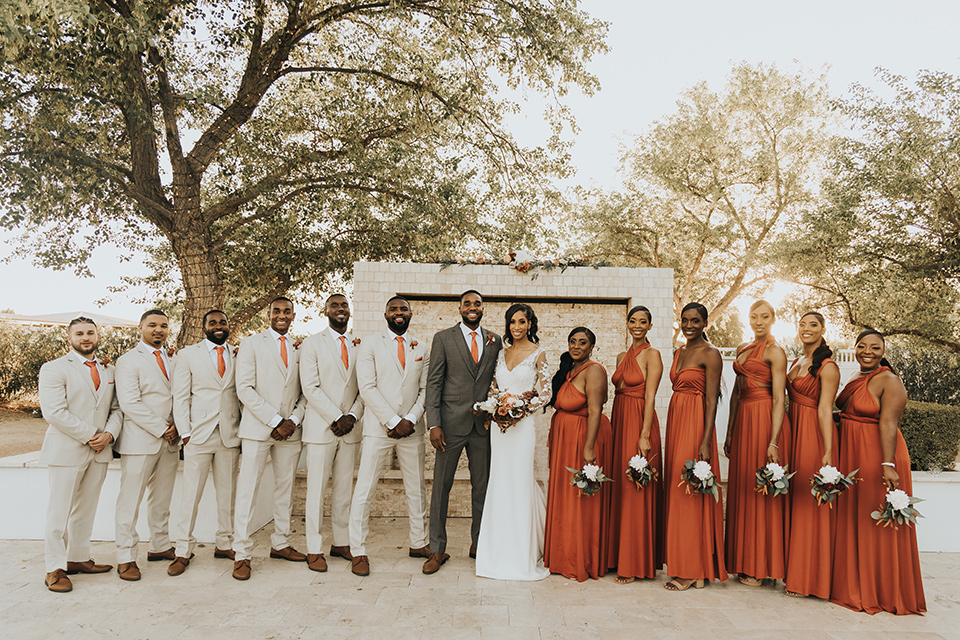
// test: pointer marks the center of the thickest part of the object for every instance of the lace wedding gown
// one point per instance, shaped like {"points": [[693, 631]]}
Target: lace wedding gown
{"points": [[514, 512]]}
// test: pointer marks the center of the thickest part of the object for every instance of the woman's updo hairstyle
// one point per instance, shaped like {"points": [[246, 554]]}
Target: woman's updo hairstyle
{"points": [[883, 361], [566, 363], [763, 303], [640, 307], [823, 350]]}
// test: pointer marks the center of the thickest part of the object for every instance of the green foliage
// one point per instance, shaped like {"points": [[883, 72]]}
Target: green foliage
{"points": [[932, 434], [711, 190], [25, 351], [930, 374]]}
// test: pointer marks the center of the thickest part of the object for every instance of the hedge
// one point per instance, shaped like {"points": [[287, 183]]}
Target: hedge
{"points": [[932, 433]]}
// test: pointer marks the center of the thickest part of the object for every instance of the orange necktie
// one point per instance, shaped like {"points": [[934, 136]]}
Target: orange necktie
{"points": [[283, 350], [400, 354], [94, 374], [221, 365], [474, 349], [163, 367], [344, 355]]}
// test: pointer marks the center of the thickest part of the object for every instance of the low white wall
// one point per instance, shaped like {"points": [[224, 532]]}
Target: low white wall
{"points": [[26, 491]]}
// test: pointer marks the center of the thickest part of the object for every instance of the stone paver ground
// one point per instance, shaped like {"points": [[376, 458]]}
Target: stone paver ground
{"points": [[396, 602]]}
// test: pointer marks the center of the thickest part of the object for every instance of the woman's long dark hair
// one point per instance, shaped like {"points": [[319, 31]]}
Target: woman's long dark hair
{"points": [[701, 310], [823, 350], [566, 364], [883, 361], [640, 307], [531, 322]]}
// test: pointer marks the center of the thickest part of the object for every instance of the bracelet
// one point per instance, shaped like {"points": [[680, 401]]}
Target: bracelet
{"points": [[888, 464], [774, 446]]}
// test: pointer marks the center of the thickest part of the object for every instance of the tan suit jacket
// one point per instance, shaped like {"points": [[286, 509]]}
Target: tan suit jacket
{"points": [[330, 390], [146, 399], [202, 400], [267, 388], [76, 411], [389, 390]]}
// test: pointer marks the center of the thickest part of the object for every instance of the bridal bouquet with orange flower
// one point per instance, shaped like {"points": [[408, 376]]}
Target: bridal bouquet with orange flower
{"points": [[507, 409]]}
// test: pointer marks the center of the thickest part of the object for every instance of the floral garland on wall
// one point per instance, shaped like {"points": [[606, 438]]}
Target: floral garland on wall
{"points": [[523, 262]]}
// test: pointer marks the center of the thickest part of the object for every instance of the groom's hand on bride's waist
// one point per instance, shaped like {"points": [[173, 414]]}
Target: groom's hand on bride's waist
{"points": [[437, 440]]}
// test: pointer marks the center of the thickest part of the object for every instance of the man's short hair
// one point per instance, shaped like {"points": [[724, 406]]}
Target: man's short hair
{"points": [[211, 312], [468, 292], [152, 312], [283, 298], [81, 320], [332, 296], [396, 298]]}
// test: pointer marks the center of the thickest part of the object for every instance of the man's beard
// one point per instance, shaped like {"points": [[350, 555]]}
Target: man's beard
{"points": [[399, 325], [338, 326], [212, 337]]}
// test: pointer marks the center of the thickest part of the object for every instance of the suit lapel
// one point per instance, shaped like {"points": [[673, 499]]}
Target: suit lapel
{"points": [[274, 350], [332, 341], [77, 363], [147, 352], [204, 354], [461, 346]]}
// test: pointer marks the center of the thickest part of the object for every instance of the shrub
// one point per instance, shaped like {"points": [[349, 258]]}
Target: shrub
{"points": [[930, 374], [932, 433]]}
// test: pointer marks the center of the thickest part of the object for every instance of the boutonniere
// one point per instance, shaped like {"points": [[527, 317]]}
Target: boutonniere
{"points": [[170, 352], [104, 361], [296, 344], [491, 338], [413, 344], [236, 350], [356, 342]]}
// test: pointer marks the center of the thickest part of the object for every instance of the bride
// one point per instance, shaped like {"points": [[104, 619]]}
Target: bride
{"points": [[514, 512]]}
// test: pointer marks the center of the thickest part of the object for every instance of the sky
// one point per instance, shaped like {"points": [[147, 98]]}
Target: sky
{"points": [[657, 50]]}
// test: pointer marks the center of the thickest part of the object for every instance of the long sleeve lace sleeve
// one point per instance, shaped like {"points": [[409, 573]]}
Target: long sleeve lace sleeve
{"points": [[542, 384]]}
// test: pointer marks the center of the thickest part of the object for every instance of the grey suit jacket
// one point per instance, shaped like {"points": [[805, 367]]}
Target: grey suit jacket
{"points": [[455, 382]]}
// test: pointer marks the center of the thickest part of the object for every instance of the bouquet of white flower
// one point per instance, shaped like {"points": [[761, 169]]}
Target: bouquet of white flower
{"points": [[828, 483], [506, 409], [898, 509], [640, 471], [588, 479], [773, 479], [698, 476]]}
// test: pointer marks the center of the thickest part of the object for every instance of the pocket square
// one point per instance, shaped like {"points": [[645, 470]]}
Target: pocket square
{"points": [[419, 359]]}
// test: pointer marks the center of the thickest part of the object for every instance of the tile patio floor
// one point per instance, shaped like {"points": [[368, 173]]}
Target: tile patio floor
{"points": [[396, 601]]}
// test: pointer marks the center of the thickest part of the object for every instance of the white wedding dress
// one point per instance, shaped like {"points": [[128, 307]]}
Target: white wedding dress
{"points": [[514, 511]]}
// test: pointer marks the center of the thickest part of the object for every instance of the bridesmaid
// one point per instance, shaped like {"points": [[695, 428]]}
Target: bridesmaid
{"points": [[693, 539], [757, 433], [636, 516], [877, 568], [579, 434], [812, 382]]}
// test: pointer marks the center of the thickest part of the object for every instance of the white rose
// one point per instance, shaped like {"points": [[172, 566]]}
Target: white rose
{"points": [[702, 470], [638, 463], [898, 499], [776, 471], [523, 256], [590, 471], [830, 475]]}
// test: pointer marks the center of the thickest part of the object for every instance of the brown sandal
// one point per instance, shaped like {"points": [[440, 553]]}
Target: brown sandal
{"points": [[673, 585]]}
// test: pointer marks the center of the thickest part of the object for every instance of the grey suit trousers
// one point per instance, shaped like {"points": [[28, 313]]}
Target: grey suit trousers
{"points": [[477, 446]]}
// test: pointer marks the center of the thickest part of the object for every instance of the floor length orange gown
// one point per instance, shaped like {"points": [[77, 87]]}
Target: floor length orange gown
{"points": [[757, 524], [637, 514], [576, 533], [876, 568], [693, 536], [812, 527]]}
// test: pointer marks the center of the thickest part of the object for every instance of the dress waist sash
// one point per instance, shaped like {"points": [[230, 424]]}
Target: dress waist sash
{"points": [[639, 391]]}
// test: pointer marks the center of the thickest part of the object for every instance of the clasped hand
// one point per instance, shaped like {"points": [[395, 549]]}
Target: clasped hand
{"points": [[403, 429], [171, 435], [99, 442], [343, 425], [283, 430]]}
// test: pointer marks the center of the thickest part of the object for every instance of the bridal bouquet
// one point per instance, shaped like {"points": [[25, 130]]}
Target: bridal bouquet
{"points": [[698, 476], [897, 510], [588, 479], [640, 472], [828, 483], [773, 480], [506, 409]]}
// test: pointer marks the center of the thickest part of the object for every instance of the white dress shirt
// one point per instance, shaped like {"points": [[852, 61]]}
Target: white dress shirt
{"points": [[395, 420], [212, 350], [277, 419], [469, 339]]}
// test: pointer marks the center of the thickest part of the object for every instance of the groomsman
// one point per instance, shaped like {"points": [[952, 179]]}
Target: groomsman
{"points": [[329, 380], [205, 406], [392, 375], [148, 444], [268, 385], [77, 400], [462, 363]]}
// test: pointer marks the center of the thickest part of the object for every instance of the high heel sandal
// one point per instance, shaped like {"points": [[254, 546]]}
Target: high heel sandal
{"points": [[673, 585]]}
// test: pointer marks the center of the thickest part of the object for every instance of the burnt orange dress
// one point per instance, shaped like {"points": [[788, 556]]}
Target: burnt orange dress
{"points": [[636, 515], [877, 568], [757, 525], [576, 533], [693, 536], [812, 527]]}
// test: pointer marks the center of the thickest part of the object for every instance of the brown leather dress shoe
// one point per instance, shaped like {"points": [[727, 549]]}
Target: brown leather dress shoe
{"points": [[341, 552], [128, 571], [241, 569], [360, 565], [87, 567], [433, 564], [224, 553], [473, 552], [287, 553], [58, 582], [422, 552], [178, 566], [169, 554], [316, 562]]}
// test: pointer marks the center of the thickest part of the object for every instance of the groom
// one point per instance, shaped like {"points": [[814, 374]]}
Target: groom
{"points": [[462, 362]]}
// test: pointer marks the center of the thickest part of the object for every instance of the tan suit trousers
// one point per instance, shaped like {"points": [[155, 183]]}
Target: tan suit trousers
{"points": [[340, 458], [156, 472], [198, 459], [74, 494]]}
